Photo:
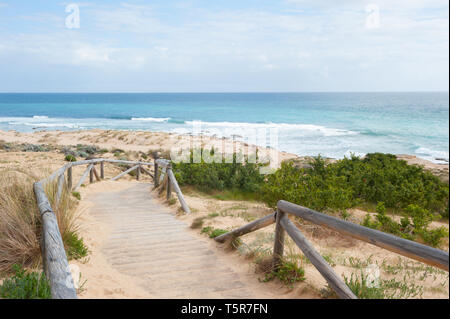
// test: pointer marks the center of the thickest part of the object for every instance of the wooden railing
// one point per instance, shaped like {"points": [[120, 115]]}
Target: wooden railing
{"points": [[54, 257], [168, 182], [408, 248]]}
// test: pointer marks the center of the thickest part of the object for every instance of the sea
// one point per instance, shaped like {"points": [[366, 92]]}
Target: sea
{"points": [[330, 124]]}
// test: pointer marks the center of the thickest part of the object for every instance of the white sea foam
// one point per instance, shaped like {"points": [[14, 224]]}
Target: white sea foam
{"points": [[300, 129], [151, 119], [40, 117], [432, 154], [35, 124]]}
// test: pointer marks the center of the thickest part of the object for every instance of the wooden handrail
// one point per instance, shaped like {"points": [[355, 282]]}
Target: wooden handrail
{"points": [[124, 173], [56, 266], [317, 260], [166, 179], [408, 248], [177, 190], [248, 228], [426, 254]]}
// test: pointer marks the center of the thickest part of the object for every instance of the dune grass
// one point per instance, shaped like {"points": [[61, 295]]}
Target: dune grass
{"points": [[20, 223]]}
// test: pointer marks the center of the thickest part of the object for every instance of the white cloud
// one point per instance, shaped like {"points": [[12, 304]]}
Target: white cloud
{"points": [[328, 47]]}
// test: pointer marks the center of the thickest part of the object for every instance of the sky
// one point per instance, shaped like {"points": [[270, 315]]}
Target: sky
{"points": [[224, 46]]}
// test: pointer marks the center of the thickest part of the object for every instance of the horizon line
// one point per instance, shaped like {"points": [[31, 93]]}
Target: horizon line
{"points": [[223, 92]]}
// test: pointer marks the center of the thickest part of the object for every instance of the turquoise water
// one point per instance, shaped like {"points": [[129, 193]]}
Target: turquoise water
{"points": [[331, 124]]}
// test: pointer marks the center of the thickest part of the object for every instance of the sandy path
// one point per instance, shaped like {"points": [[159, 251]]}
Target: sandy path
{"points": [[149, 253]]}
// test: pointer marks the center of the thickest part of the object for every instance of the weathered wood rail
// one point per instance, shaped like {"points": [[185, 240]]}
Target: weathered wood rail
{"points": [[169, 182], [54, 257], [426, 254]]}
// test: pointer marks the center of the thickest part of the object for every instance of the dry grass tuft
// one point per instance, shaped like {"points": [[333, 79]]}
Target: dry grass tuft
{"points": [[20, 223]]}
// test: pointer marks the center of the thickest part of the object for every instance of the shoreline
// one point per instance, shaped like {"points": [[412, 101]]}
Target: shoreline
{"points": [[163, 142]]}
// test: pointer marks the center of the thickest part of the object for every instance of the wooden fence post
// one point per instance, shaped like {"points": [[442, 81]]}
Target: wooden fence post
{"points": [[169, 183], [69, 178], [156, 175], [91, 175], [102, 170], [138, 172], [176, 188], [54, 256], [59, 188], [278, 247]]}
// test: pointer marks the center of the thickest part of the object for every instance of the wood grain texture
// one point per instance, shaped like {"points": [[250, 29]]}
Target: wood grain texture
{"points": [[146, 172], [250, 227], [335, 282], [83, 177], [54, 257], [69, 178], [156, 177], [176, 188], [278, 245], [426, 254], [102, 170], [91, 175], [94, 171], [59, 188], [124, 173]]}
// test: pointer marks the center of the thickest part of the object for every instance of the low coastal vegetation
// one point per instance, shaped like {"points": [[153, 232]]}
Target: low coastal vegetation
{"points": [[377, 180], [25, 147], [363, 288], [20, 233], [220, 176], [25, 285]]}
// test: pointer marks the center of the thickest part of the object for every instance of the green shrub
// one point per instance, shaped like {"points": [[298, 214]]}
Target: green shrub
{"points": [[352, 181], [316, 187], [198, 222], [412, 226], [219, 176], [77, 195], [434, 237], [75, 247], [25, 285], [217, 232], [70, 158], [206, 230], [444, 214], [34, 148], [362, 289], [288, 272], [87, 149]]}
